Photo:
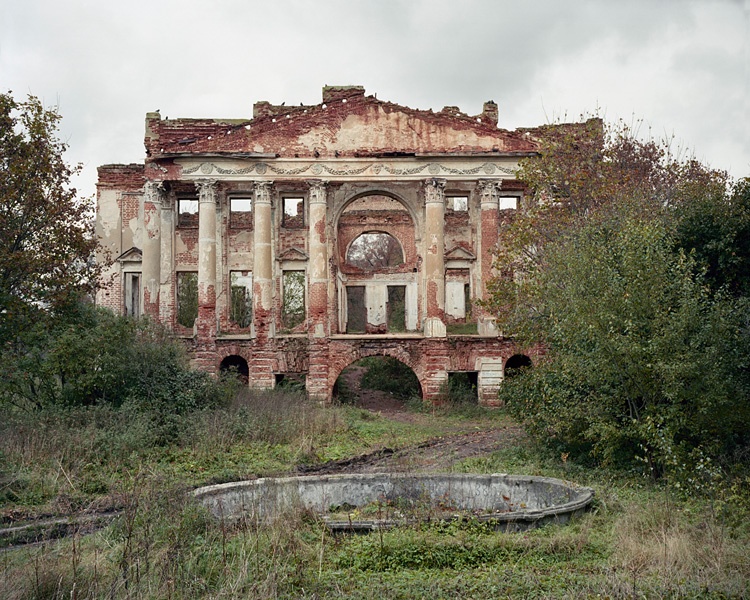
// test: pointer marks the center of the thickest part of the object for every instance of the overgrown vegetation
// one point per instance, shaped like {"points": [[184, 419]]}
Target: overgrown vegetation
{"points": [[388, 374], [641, 539], [629, 267]]}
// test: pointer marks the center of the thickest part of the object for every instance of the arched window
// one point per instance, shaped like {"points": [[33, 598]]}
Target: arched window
{"points": [[375, 250]]}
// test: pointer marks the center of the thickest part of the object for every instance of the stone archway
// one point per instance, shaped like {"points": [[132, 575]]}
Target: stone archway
{"points": [[515, 364], [377, 382], [234, 363]]}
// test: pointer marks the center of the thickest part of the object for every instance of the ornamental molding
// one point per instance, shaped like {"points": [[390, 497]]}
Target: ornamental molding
{"points": [[380, 169], [207, 190]]}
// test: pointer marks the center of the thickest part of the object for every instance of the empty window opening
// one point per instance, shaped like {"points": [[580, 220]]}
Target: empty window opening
{"points": [[462, 387], [508, 203], [291, 381], [187, 212], [467, 301], [293, 309], [187, 298], [241, 307], [132, 294], [396, 308], [457, 203], [241, 213], [236, 365], [356, 310], [374, 251], [516, 365], [294, 212]]}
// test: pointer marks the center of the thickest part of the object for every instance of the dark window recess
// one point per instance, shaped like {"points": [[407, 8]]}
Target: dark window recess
{"points": [[236, 365], [396, 310], [463, 387], [294, 213], [187, 212], [516, 364], [187, 298], [132, 294], [356, 310], [467, 301]]}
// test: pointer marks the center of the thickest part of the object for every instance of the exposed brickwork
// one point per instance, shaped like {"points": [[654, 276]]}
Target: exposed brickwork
{"points": [[367, 165]]}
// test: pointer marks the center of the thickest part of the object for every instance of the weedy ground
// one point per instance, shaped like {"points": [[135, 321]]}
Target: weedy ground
{"points": [[641, 539]]}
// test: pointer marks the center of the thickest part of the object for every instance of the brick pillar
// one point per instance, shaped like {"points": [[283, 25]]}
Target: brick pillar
{"points": [[317, 276], [166, 280], [153, 192], [207, 197], [489, 230], [434, 263], [262, 360]]}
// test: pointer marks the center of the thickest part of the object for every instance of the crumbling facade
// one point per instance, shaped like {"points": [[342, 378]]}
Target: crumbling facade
{"points": [[297, 242]]}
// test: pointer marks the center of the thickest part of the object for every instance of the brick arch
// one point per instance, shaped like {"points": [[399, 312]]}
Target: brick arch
{"points": [[415, 217], [405, 228], [356, 354]]}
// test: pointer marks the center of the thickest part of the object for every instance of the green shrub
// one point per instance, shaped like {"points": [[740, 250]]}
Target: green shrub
{"points": [[388, 374]]}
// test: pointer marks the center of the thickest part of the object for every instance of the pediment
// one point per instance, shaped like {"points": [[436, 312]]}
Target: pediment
{"points": [[358, 126], [459, 253], [130, 256], [292, 254]]}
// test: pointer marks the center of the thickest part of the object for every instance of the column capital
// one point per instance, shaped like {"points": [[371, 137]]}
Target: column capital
{"points": [[434, 191], [262, 191], [207, 190], [489, 192], [317, 191], [154, 192]]}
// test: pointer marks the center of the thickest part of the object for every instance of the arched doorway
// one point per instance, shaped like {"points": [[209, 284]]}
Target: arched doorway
{"points": [[516, 364], [377, 383], [237, 365]]}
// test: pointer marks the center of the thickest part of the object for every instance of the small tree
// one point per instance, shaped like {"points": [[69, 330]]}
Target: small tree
{"points": [[47, 241]]}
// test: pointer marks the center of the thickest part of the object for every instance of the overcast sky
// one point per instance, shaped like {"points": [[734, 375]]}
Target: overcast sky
{"points": [[682, 67]]}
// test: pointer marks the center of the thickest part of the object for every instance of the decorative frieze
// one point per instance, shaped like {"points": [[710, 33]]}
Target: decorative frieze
{"points": [[356, 170]]}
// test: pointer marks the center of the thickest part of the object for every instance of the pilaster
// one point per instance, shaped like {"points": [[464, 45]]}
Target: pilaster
{"points": [[153, 194]]}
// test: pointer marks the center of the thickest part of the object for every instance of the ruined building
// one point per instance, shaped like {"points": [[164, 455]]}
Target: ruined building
{"points": [[294, 243]]}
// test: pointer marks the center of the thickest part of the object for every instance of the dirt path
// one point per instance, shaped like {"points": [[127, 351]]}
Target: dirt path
{"points": [[438, 454]]}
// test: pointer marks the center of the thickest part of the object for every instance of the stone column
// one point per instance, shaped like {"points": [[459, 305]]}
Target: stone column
{"points": [[489, 230], [166, 278], [262, 260], [434, 263], [207, 198], [318, 263], [262, 360], [153, 193], [317, 275]]}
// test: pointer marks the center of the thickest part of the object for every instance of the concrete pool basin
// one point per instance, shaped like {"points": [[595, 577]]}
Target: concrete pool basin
{"points": [[373, 501]]}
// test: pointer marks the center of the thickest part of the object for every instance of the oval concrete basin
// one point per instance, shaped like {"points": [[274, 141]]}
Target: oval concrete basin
{"points": [[373, 501]]}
